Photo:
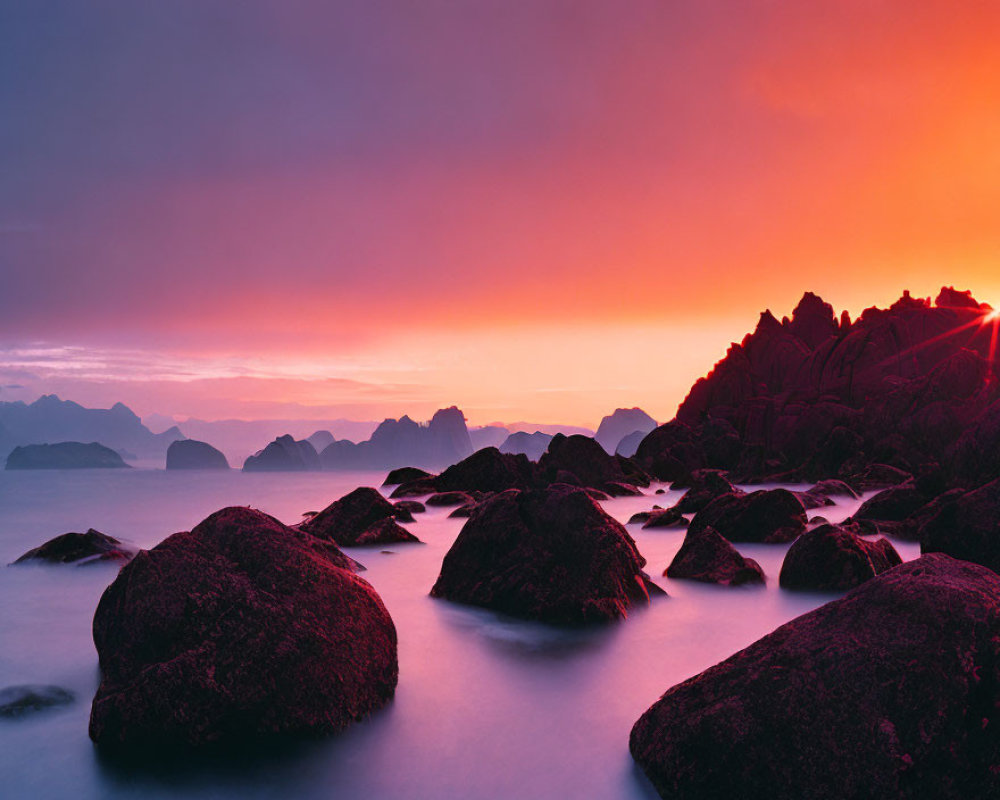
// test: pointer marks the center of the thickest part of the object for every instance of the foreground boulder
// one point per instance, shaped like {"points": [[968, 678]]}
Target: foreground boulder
{"points": [[710, 558], [192, 454], [361, 517], [967, 527], [65, 455], [239, 629], [549, 554], [80, 548], [831, 559], [891, 692], [769, 516]]}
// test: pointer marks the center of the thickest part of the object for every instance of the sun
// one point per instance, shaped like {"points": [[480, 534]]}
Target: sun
{"points": [[992, 316]]}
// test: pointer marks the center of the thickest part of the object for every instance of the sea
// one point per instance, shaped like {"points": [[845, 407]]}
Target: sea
{"points": [[487, 706]]}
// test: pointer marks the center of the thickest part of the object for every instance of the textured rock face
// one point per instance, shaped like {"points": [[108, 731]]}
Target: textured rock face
{"points": [[362, 517], [892, 691], [65, 455], [550, 554], [284, 454], [708, 557], [769, 516], [967, 526], [192, 454], [80, 548], [239, 629], [829, 558]]}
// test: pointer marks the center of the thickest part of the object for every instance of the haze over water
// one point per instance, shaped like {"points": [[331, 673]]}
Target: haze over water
{"points": [[487, 707]]}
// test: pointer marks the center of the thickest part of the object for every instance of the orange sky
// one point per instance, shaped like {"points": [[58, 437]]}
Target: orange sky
{"points": [[540, 211]]}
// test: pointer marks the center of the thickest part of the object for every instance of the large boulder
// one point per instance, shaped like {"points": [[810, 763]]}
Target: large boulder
{"points": [[967, 527], [580, 460], [81, 548], [65, 455], [404, 475], [487, 470], [832, 559], [239, 629], [361, 517], [892, 691], [192, 454], [770, 516], [708, 557], [706, 485], [549, 554]]}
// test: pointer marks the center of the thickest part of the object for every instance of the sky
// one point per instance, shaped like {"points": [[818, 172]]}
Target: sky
{"points": [[534, 210]]}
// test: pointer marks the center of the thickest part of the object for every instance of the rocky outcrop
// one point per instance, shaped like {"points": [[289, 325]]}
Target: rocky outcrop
{"points": [[237, 630], [361, 517], [581, 461], [21, 701], [487, 470], [450, 499], [405, 475], [65, 455], [832, 559], [80, 548], [705, 486], [708, 557], [769, 516], [966, 527], [892, 691], [192, 454], [551, 555], [623, 422], [284, 454]]}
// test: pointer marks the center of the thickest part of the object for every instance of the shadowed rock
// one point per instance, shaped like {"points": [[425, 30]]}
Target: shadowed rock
{"points": [[92, 546], [705, 486], [411, 507], [405, 475], [892, 691], [582, 458], [237, 630], [665, 518], [487, 470], [832, 488], [831, 559], [967, 527], [65, 455], [708, 557], [20, 701], [769, 516], [358, 518], [450, 499], [192, 454], [550, 554]]}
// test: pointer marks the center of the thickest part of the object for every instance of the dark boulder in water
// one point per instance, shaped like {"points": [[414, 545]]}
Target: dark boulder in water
{"points": [[549, 554], [831, 559], [891, 691], [487, 470], [585, 460], [360, 517], [405, 475], [92, 546], [705, 486], [192, 454], [410, 507], [65, 455], [240, 629], [832, 488], [450, 499], [284, 454], [770, 516], [967, 526], [20, 701], [708, 557]]}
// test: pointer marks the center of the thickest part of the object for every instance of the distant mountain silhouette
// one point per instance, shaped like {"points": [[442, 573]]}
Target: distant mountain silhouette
{"points": [[530, 444], [320, 440], [403, 442], [623, 422], [50, 420], [192, 454], [64, 455], [488, 436], [284, 454], [914, 387]]}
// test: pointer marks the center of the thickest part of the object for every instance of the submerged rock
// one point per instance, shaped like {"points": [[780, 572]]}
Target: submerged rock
{"points": [[550, 554], [20, 701], [770, 516], [358, 518], [450, 499], [192, 454], [65, 455], [831, 559], [240, 629], [410, 507], [80, 547], [891, 691], [708, 557]]}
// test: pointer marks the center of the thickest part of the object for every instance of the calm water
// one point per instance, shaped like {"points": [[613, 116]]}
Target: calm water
{"points": [[486, 707]]}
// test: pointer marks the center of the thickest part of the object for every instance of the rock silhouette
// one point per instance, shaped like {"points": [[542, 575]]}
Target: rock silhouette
{"points": [[832, 559], [192, 454], [284, 454], [531, 445], [237, 630], [550, 554], [769, 516], [622, 423], [65, 455], [891, 691]]}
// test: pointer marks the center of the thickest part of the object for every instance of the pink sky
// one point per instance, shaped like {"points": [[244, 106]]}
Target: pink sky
{"points": [[535, 211]]}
